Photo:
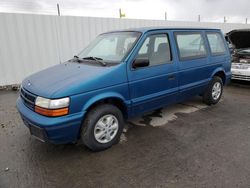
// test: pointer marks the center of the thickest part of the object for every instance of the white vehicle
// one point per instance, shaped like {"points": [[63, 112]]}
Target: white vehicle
{"points": [[239, 42]]}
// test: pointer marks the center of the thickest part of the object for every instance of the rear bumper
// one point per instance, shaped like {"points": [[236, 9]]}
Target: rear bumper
{"points": [[58, 130]]}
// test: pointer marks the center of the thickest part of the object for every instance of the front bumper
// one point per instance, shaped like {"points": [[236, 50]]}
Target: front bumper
{"points": [[57, 130], [240, 73]]}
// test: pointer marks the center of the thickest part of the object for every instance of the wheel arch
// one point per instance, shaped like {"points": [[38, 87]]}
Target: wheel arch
{"points": [[220, 73], [107, 98]]}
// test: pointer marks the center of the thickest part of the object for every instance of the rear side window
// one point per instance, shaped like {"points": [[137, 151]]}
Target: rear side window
{"points": [[190, 45], [216, 43]]}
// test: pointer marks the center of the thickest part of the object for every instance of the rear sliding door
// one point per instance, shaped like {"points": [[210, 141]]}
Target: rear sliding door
{"points": [[193, 61]]}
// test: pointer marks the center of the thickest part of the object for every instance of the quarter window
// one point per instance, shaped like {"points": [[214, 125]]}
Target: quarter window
{"points": [[190, 45], [156, 48], [216, 43]]}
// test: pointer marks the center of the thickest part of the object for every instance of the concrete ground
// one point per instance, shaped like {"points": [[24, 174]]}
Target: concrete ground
{"points": [[184, 145]]}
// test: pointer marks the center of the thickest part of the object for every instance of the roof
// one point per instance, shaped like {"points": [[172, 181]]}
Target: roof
{"points": [[146, 29]]}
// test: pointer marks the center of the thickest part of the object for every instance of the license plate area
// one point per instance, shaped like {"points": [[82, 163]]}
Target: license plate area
{"points": [[37, 132]]}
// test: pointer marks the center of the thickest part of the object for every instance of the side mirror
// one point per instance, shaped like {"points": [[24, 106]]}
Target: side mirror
{"points": [[140, 62]]}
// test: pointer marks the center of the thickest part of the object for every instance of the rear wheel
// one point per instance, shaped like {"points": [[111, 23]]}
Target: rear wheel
{"points": [[214, 91], [102, 127]]}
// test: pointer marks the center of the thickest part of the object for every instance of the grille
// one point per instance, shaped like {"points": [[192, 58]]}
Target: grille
{"points": [[240, 66], [240, 77], [28, 98]]}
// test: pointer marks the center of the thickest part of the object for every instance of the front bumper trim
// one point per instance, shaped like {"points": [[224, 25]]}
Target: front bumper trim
{"points": [[57, 130]]}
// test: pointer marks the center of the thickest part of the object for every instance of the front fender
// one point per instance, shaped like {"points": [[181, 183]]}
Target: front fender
{"points": [[103, 96]]}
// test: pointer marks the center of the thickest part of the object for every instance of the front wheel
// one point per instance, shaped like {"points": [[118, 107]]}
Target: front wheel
{"points": [[214, 91], [102, 127]]}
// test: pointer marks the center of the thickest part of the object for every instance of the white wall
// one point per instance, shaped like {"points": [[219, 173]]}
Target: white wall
{"points": [[29, 43]]}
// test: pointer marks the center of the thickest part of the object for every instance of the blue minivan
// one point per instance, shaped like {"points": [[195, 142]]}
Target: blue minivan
{"points": [[122, 74]]}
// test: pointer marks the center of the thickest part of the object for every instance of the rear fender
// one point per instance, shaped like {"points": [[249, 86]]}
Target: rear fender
{"points": [[219, 69]]}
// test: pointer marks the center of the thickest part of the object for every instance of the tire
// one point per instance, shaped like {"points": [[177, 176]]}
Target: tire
{"points": [[100, 125], [210, 95]]}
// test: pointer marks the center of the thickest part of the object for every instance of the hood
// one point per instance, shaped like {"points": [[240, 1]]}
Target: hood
{"points": [[68, 79], [240, 38]]}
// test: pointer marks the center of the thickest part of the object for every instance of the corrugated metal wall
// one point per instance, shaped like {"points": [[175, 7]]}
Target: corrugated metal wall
{"points": [[29, 43]]}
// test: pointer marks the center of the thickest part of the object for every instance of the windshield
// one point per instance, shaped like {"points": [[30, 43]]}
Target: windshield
{"points": [[111, 47]]}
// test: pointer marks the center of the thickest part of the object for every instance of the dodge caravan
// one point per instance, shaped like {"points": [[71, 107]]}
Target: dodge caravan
{"points": [[122, 74]]}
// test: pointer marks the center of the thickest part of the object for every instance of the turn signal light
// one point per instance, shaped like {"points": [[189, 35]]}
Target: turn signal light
{"points": [[52, 112]]}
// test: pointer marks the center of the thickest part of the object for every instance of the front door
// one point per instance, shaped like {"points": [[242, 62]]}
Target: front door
{"points": [[154, 85]]}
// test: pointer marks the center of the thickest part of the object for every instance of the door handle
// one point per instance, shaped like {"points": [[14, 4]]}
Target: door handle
{"points": [[171, 77]]}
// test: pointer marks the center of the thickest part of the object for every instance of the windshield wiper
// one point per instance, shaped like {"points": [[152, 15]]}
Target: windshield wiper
{"points": [[96, 59], [75, 59]]}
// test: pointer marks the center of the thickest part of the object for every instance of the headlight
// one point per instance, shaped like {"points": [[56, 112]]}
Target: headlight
{"points": [[52, 103], [59, 103], [52, 107], [42, 102]]}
